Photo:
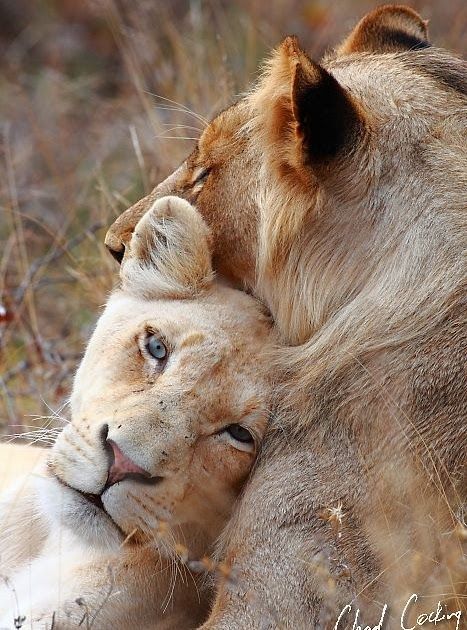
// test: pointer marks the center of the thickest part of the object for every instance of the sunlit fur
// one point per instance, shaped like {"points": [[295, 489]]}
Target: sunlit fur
{"points": [[168, 420], [362, 261]]}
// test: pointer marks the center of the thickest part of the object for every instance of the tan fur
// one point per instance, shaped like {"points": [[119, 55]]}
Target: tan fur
{"points": [[122, 566], [361, 257]]}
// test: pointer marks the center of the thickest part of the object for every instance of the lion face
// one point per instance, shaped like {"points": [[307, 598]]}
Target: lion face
{"points": [[323, 166], [169, 404], [221, 178]]}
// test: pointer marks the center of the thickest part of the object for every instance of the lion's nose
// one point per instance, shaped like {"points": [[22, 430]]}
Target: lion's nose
{"points": [[116, 249], [114, 241], [122, 466]]}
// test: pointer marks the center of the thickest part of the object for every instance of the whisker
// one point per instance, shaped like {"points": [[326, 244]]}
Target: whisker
{"points": [[36, 435], [174, 127], [55, 414], [129, 537], [184, 108], [161, 136]]}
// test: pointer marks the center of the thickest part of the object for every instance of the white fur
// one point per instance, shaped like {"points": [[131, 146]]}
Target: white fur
{"points": [[123, 565]]}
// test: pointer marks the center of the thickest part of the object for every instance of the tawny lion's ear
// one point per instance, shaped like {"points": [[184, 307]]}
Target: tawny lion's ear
{"points": [[327, 118], [169, 255], [391, 28], [300, 94]]}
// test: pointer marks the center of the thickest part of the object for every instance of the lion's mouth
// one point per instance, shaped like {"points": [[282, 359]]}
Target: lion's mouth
{"points": [[95, 499], [94, 502]]}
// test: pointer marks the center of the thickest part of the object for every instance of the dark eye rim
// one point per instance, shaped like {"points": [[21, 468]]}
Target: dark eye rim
{"points": [[250, 440], [202, 176]]}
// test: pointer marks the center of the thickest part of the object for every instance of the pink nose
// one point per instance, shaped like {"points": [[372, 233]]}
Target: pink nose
{"points": [[122, 466]]}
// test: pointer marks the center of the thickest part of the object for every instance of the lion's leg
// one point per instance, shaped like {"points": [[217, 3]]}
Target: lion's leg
{"points": [[287, 563], [71, 586], [317, 531]]}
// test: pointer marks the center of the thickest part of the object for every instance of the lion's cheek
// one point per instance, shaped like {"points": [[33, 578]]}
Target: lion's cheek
{"points": [[216, 475], [134, 506]]}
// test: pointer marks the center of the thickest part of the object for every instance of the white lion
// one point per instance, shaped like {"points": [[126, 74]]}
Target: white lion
{"points": [[168, 409]]}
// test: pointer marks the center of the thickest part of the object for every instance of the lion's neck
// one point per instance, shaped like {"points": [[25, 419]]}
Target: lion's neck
{"points": [[370, 301], [358, 246]]}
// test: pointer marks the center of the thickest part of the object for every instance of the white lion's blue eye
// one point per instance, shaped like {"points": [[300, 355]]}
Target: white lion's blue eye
{"points": [[156, 348]]}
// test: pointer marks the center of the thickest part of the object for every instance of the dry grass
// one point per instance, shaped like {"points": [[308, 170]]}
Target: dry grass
{"points": [[99, 100]]}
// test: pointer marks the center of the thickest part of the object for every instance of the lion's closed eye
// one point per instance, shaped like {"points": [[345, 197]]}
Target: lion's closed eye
{"points": [[239, 437], [201, 176]]}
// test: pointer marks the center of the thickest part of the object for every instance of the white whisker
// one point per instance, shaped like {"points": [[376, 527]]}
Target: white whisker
{"points": [[162, 137], [175, 127], [183, 108]]}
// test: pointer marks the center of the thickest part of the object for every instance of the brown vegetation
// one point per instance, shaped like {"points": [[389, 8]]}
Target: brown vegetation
{"points": [[99, 100]]}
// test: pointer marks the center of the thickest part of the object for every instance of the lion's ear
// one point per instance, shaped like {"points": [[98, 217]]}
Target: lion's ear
{"points": [[169, 255], [327, 119], [391, 28], [300, 95]]}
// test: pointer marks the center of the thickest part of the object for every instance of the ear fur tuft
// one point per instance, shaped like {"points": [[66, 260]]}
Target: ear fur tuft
{"points": [[387, 29], [169, 255]]}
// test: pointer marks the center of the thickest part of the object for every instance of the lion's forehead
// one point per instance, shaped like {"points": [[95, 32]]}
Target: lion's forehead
{"points": [[215, 354], [223, 129], [411, 77], [222, 317]]}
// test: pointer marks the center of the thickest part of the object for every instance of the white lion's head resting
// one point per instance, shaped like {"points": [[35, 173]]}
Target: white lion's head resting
{"points": [[170, 401]]}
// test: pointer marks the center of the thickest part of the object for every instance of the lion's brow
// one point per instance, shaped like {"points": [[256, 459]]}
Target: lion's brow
{"points": [[192, 339]]}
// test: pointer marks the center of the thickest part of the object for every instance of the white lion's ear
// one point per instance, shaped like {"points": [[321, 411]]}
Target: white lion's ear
{"points": [[169, 254]]}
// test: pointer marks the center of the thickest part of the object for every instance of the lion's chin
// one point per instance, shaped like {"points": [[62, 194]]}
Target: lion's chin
{"points": [[80, 514]]}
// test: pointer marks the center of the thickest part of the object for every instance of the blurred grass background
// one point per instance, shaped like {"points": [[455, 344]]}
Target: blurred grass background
{"points": [[99, 101]]}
